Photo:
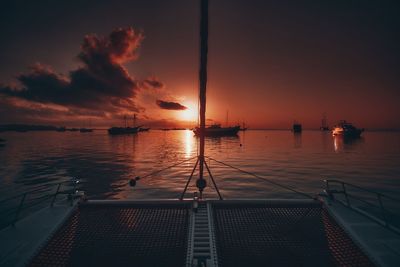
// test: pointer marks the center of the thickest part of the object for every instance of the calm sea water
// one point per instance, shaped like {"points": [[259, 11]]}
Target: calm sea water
{"points": [[106, 163]]}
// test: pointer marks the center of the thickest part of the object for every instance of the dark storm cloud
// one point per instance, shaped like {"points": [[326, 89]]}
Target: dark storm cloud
{"points": [[101, 82], [170, 105]]}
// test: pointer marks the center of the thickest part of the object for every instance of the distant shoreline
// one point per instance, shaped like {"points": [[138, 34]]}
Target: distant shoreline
{"points": [[25, 127], [28, 128]]}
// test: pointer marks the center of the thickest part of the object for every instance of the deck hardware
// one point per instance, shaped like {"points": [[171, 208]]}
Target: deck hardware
{"points": [[201, 248], [201, 184], [132, 182], [195, 202]]}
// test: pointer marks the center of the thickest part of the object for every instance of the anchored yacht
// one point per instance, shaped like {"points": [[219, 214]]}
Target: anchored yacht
{"points": [[346, 129]]}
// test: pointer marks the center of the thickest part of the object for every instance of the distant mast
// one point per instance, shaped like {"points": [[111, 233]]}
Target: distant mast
{"points": [[324, 124]]}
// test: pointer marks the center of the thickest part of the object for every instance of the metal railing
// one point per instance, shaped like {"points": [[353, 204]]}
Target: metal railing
{"points": [[376, 200], [38, 196]]}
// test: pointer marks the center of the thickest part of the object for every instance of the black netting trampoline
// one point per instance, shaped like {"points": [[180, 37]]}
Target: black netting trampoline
{"points": [[120, 235], [281, 234]]}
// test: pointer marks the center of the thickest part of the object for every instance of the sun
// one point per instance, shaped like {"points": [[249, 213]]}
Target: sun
{"points": [[189, 114]]}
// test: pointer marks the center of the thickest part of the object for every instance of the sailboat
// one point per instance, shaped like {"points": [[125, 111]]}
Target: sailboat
{"points": [[324, 124], [216, 130], [126, 129], [297, 128], [86, 130]]}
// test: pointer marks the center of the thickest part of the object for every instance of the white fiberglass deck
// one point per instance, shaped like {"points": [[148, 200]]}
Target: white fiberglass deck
{"points": [[380, 243]]}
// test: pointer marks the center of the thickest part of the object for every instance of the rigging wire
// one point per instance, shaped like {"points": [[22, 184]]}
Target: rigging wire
{"points": [[232, 167], [263, 178], [166, 168]]}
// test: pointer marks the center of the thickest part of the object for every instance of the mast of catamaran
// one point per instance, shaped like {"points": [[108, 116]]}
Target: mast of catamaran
{"points": [[201, 182], [202, 87]]}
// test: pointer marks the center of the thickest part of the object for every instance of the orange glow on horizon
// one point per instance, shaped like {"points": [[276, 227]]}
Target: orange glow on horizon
{"points": [[189, 114]]}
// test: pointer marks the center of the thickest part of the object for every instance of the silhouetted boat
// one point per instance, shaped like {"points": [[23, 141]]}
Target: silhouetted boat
{"points": [[346, 129], [297, 128], [85, 130], [217, 130], [126, 129], [61, 129], [73, 129], [144, 129], [123, 130]]}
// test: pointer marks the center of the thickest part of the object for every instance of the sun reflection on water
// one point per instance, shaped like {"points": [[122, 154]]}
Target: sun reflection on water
{"points": [[188, 143]]}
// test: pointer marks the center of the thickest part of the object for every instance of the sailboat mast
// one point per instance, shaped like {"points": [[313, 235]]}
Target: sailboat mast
{"points": [[323, 122], [203, 79]]}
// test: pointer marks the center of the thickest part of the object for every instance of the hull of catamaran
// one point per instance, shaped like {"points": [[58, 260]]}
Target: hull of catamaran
{"points": [[280, 232]]}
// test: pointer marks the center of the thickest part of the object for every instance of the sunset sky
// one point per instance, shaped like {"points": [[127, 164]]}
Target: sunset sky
{"points": [[270, 62]]}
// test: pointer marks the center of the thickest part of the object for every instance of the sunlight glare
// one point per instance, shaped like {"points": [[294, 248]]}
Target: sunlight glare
{"points": [[190, 114]]}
